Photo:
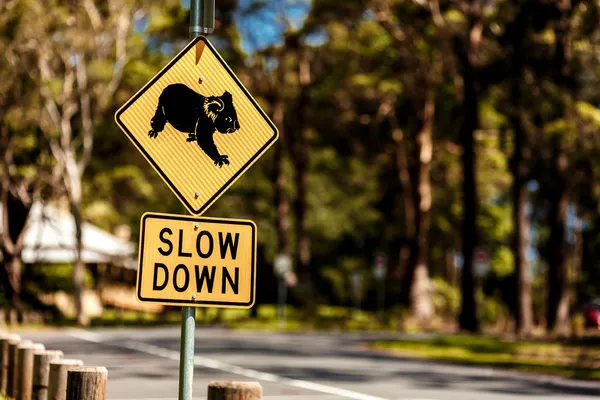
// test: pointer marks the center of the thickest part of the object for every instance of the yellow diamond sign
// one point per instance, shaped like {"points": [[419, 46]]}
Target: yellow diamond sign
{"points": [[197, 125]]}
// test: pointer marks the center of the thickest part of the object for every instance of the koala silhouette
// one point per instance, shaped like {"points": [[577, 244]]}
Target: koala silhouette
{"points": [[198, 116]]}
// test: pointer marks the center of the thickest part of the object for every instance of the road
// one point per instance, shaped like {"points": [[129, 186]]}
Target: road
{"points": [[142, 364]]}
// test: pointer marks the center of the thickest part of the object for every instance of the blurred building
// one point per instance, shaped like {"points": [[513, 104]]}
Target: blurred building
{"points": [[110, 258], [50, 239]]}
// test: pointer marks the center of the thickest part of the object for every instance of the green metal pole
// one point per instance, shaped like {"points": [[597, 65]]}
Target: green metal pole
{"points": [[202, 22], [186, 352], [281, 300]]}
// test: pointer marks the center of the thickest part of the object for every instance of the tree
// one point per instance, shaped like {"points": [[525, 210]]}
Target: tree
{"points": [[466, 49], [518, 166], [299, 148], [421, 82], [26, 173], [80, 51]]}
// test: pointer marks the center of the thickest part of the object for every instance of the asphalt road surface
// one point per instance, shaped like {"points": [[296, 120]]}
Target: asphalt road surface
{"points": [[143, 364]]}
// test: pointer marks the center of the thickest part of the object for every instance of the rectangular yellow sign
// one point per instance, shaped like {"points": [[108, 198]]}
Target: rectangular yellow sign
{"points": [[200, 262]]}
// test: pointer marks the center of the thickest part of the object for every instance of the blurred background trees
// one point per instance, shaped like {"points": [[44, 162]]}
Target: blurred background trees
{"points": [[423, 130]]}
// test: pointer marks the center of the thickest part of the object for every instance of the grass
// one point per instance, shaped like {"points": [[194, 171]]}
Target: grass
{"points": [[112, 317], [579, 360], [326, 318]]}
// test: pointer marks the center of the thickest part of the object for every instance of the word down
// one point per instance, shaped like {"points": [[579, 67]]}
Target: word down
{"points": [[203, 262]]}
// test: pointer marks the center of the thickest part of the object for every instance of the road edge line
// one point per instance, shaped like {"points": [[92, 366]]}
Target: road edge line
{"points": [[210, 363]]}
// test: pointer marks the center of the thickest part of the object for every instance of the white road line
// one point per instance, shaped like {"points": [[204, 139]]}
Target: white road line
{"points": [[275, 397], [85, 335], [225, 367]]}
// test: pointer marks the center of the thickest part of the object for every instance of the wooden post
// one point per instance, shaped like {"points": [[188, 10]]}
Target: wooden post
{"points": [[25, 371], [86, 383], [41, 372], [57, 383], [13, 317], [2, 317], [4, 342], [234, 391], [13, 366], [25, 317]]}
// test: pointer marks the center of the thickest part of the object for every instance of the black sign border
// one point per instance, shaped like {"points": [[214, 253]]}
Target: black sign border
{"points": [[242, 170], [191, 302]]}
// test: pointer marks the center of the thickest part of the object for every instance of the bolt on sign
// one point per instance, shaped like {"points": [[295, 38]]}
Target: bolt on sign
{"points": [[192, 261], [197, 125]]}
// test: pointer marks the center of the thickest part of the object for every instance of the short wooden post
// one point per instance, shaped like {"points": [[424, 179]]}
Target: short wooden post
{"points": [[25, 371], [87, 383], [234, 391], [13, 366], [41, 372], [57, 382], [2, 317], [13, 317], [4, 342]]}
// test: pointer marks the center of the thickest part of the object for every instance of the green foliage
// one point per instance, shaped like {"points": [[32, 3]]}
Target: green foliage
{"points": [[446, 298], [359, 73], [502, 263], [55, 277], [492, 310]]}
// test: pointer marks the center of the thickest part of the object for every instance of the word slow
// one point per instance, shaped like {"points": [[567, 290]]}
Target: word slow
{"points": [[204, 276]]}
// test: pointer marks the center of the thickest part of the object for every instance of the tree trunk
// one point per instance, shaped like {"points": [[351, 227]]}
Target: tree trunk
{"points": [[75, 194], [281, 200], [282, 204], [558, 279], [467, 53], [558, 295], [405, 260], [14, 278], [15, 214], [524, 312], [301, 165], [417, 269]]}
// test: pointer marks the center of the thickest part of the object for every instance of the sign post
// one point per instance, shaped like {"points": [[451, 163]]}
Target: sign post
{"points": [[195, 262], [186, 352], [202, 17], [200, 129], [188, 314], [283, 267], [481, 262], [380, 272], [356, 287]]}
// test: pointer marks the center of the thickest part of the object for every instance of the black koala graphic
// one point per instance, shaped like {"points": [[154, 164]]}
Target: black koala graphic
{"points": [[196, 115]]}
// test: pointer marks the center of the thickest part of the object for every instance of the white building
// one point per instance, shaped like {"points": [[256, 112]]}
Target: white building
{"points": [[50, 238]]}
